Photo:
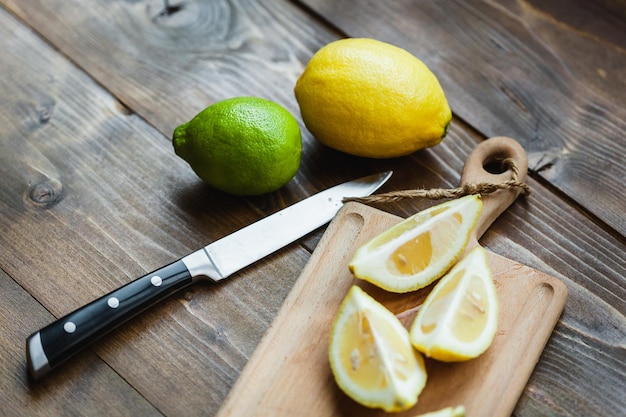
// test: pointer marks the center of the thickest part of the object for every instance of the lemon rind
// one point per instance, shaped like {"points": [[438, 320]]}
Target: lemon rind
{"points": [[369, 264], [451, 350], [403, 394]]}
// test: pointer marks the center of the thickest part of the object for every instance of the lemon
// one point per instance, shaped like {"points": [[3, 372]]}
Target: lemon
{"points": [[369, 98], [371, 356], [241, 145], [459, 318], [420, 249], [458, 411]]}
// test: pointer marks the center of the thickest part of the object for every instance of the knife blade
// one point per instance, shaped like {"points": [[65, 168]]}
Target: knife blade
{"points": [[52, 345]]}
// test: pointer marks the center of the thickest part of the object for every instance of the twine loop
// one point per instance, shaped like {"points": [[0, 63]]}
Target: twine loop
{"points": [[463, 190]]}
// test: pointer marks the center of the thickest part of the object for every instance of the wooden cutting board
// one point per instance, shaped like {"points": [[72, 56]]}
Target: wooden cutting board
{"points": [[289, 373]]}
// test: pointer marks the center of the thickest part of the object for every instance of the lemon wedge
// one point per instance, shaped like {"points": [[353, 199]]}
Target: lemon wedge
{"points": [[458, 411], [459, 318], [420, 249], [371, 355]]}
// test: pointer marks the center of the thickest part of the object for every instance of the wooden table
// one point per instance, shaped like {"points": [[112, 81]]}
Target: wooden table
{"points": [[92, 194]]}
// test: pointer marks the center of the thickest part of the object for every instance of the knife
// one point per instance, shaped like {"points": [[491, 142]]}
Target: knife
{"points": [[47, 348]]}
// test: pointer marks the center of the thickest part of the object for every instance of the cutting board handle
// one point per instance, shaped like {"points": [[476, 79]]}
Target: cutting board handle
{"points": [[483, 165]]}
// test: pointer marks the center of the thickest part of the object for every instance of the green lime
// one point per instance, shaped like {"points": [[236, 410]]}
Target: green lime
{"points": [[243, 145]]}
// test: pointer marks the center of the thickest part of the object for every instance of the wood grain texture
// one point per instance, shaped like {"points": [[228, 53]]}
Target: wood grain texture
{"points": [[551, 75], [289, 374], [169, 66], [91, 195], [583, 361], [89, 387]]}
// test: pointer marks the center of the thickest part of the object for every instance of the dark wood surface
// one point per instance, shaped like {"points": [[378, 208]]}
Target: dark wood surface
{"points": [[92, 195]]}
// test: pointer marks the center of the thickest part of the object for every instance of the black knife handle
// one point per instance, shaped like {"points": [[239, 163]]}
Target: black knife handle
{"points": [[57, 342]]}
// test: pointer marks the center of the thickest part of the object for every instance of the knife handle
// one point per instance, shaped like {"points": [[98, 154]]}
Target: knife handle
{"points": [[57, 342]]}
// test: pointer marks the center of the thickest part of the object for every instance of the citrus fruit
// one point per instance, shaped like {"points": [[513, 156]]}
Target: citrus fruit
{"points": [[369, 98], [241, 145], [459, 318], [458, 411], [420, 249], [371, 356]]}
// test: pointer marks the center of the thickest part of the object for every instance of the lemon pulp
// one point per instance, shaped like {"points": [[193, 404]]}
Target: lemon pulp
{"points": [[420, 249], [371, 355], [458, 319]]}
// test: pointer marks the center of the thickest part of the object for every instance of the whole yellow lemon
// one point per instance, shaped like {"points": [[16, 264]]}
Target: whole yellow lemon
{"points": [[369, 98]]}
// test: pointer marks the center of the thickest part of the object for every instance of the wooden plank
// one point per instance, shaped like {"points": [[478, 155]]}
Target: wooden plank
{"points": [[137, 58], [551, 75], [89, 386], [92, 197], [169, 66]]}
